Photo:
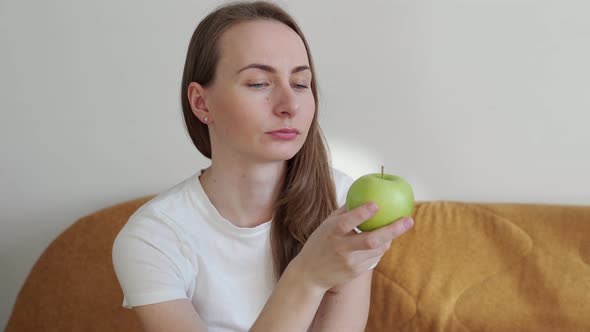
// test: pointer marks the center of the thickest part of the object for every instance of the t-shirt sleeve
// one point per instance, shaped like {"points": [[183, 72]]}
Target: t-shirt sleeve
{"points": [[342, 183], [150, 261]]}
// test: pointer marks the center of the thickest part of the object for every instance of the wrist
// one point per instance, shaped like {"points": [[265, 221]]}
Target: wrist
{"points": [[292, 305], [299, 276]]}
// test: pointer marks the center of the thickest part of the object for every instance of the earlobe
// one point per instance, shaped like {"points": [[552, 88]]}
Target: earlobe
{"points": [[196, 99]]}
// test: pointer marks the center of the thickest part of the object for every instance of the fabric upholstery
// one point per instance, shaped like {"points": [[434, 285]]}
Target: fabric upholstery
{"points": [[463, 267], [486, 267], [72, 286]]}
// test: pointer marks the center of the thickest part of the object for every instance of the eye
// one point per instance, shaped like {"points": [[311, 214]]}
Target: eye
{"points": [[257, 85], [300, 86]]}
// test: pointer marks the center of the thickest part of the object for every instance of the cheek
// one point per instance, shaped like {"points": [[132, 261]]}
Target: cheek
{"points": [[236, 115], [309, 109]]}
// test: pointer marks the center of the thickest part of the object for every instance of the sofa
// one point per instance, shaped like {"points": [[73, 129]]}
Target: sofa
{"points": [[463, 267]]}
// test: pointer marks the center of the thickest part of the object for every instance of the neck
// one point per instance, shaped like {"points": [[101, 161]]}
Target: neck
{"points": [[244, 195]]}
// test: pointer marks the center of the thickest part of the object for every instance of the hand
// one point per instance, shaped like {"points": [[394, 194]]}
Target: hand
{"points": [[335, 254]]}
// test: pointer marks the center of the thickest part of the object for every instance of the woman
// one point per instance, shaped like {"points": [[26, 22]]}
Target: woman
{"points": [[255, 242]]}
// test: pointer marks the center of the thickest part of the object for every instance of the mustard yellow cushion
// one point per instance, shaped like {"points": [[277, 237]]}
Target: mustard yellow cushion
{"points": [[486, 267]]}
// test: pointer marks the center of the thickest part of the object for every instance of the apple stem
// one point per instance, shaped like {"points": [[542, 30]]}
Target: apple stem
{"points": [[382, 171]]}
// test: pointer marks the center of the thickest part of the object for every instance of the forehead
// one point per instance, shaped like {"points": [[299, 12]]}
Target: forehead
{"points": [[261, 41]]}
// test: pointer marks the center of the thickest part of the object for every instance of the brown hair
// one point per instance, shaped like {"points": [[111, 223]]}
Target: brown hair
{"points": [[307, 194]]}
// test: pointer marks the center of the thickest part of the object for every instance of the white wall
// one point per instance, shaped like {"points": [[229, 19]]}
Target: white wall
{"points": [[469, 100]]}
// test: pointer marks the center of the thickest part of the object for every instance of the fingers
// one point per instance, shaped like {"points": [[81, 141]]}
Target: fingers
{"points": [[369, 258], [377, 239], [339, 211], [350, 219], [398, 228]]}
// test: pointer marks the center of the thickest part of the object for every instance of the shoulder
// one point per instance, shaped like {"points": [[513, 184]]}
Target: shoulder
{"points": [[148, 234], [152, 259], [340, 177], [177, 198], [342, 183], [159, 226], [166, 212]]}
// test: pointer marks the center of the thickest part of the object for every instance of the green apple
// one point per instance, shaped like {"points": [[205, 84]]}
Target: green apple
{"points": [[391, 193]]}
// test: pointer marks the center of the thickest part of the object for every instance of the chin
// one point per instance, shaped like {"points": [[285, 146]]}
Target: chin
{"points": [[282, 154], [277, 151]]}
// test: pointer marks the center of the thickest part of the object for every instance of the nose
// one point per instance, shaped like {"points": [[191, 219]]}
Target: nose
{"points": [[287, 103]]}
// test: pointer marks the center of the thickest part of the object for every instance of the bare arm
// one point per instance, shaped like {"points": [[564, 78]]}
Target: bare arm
{"points": [[288, 309], [346, 308], [291, 307]]}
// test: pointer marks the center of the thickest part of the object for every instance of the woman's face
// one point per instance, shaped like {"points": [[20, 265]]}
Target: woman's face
{"points": [[262, 85]]}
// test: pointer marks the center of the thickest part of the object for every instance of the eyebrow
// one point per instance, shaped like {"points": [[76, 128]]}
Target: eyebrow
{"points": [[271, 69]]}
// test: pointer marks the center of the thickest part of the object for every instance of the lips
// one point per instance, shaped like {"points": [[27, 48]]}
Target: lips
{"points": [[284, 134], [285, 131]]}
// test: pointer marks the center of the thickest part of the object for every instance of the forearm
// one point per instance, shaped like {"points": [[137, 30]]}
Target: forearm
{"points": [[291, 306], [345, 307]]}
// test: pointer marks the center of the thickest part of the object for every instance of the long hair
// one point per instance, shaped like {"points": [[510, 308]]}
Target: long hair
{"points": [[307, 195]]}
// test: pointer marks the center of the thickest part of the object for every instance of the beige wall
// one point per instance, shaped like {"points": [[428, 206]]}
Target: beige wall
{"points": [[469, 100]]}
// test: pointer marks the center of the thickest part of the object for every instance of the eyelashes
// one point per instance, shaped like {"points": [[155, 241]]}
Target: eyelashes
{"points": [[257, 85], [260, 85]]}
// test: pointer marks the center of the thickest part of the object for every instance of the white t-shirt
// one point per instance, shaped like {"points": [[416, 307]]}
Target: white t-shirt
{"points": [[178, 246]]}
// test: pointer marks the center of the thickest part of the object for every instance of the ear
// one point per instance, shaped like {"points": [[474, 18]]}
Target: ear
{"points": [[196, 98]]}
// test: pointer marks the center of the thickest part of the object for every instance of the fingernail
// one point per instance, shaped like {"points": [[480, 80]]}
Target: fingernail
{"points": [[373, 207], [408, 222]]}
